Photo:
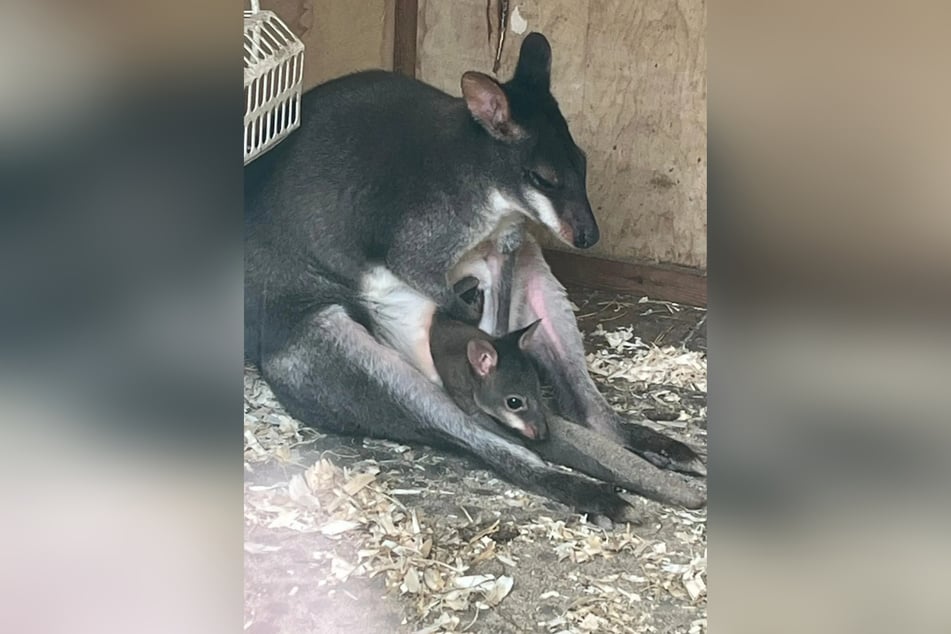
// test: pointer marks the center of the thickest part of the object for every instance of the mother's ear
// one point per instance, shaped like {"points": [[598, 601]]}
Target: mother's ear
{"points": [[489, 105], [534, 62]]}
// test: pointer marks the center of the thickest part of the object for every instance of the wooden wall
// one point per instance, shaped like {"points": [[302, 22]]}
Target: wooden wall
{"points": [[339, 36], [630, 76]]}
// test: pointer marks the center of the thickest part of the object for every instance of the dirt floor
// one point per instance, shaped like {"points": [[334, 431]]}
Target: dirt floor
{"points": [[345, 535]]}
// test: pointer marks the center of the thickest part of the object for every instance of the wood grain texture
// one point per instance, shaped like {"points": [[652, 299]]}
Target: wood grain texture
{"points": [[631, 80], [453, 38], [644, 127], [339, 36], [672, 283], [404, 37]]}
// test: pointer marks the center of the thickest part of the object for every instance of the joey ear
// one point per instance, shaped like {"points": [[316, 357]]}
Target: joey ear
{"points": [[482, 356], [489, 105], [534, 62], [525, 335]]}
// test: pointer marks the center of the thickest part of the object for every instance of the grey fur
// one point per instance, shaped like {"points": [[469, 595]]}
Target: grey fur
{"points": [[388, 173]]}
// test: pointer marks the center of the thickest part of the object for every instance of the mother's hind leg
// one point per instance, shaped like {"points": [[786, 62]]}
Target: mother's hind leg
{"points": [[536, 294], [332, 372]]}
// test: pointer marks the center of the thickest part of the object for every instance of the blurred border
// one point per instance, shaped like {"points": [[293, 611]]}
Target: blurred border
{"points": [[120, 316], [120, 261], [830, 263]]}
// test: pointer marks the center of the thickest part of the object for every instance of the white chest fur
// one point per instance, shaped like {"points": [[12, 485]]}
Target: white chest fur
{"points": [[403, 317]]}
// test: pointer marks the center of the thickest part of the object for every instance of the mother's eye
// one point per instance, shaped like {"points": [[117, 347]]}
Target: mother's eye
{"points": [[548, 181]]}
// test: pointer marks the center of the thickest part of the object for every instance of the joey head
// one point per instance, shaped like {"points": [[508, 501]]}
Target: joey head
{"points": [[490, 374]]}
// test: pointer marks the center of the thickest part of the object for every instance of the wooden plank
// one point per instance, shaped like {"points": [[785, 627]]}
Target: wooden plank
{"points": [[339, 36], [657, 281], [404, 40], [452, 38], [644, 126]]}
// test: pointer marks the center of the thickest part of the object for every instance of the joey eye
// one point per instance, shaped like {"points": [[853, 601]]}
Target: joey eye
{"points": [[514, 403], [548, 181]]}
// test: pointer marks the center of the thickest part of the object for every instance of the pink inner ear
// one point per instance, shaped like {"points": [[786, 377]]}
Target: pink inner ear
{"points": [[486, 100], [482, 356]]}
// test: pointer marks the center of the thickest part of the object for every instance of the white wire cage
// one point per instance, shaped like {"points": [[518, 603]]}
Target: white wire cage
{"points": [[273, 75]]}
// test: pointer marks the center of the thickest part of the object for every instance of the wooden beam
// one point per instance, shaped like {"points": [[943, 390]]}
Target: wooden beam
{"points": [[657, 281], [404, 37]]}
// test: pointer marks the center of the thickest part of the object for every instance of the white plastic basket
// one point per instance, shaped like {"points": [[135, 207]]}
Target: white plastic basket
{"points": [[273, 74]]}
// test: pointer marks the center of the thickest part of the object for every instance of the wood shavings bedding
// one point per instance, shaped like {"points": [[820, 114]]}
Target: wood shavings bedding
{"points": [[269, 433], [438, 566], [389, 540], [628, 358], [430, 565]]}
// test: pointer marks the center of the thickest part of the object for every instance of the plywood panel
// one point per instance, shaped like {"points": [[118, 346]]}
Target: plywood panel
{"points": [[339, 36], [453, 38], [644, 127], [631, 80]]}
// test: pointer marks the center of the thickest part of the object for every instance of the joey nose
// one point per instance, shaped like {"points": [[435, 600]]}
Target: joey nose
{"points": [[541, 431], [537, 430]]}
